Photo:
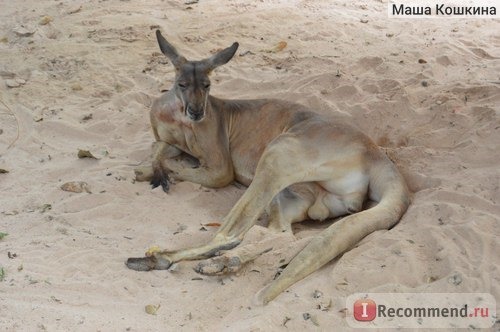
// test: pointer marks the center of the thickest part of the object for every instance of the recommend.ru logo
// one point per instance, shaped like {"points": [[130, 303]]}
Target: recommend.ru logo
{"points": [[421, 310]]}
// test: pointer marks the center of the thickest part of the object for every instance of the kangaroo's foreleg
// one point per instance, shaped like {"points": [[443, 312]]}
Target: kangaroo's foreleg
{"points": [[162, 151], [155, 174], [213, 173]]}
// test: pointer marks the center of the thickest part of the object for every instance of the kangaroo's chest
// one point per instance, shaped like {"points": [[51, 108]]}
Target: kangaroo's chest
{"points": [[171, 126]]}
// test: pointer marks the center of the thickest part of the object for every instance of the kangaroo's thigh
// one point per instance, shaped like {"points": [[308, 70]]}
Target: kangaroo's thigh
{"points": [[292, 205]]}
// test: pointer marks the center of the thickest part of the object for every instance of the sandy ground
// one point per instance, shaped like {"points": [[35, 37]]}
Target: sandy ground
{"points": [[82, 74]]}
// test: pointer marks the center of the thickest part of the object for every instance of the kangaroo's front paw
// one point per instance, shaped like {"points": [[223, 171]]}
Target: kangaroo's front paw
{"points": [[219, 265], [161, 178], [148, 263]]}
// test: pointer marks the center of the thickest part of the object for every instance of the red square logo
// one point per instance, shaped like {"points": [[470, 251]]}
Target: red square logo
{"points": [[365, 310]]}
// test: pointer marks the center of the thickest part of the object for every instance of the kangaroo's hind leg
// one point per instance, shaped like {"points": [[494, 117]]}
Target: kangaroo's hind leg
{"points": [[289, 206], [276, 170]]}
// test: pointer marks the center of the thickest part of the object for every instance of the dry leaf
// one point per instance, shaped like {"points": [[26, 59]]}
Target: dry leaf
{"points": [[85, 154], [279, 47], [152, 309], [76, 187], [45, 208], [212, 224]]}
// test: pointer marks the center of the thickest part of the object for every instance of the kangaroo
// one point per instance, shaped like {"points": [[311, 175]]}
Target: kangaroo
{"points": [[297, 164]]}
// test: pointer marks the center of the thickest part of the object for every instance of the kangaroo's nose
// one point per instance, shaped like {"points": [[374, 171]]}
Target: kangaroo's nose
{"points": [[194, 113]]}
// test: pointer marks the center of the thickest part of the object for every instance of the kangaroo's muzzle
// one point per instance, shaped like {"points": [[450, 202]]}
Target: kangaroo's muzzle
{"points": [[195, 114]]}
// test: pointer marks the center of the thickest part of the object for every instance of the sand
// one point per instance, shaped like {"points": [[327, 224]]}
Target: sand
{"points": [[82, 75]]}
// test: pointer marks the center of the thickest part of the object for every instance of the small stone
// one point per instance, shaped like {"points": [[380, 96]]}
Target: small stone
{"points": [[46, 20], [12, 83], [76, 87], [23, 31], [421, 61], [455, 279], [74, 10], [363, 20], [87, 117], [306, 315], [425, 83], [317, 294]]}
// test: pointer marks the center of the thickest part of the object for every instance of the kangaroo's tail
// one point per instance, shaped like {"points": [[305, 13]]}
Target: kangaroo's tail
{"points": [[388, 188]]}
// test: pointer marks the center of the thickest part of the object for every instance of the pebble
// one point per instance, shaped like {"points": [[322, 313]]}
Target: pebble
{"points": [[74, 9], [15, 83], [317, 294], [46, 20], [23, 31], [455, 279]]}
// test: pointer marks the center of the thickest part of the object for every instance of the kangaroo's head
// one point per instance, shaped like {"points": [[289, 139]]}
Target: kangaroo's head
{"points": [[192, 84]]}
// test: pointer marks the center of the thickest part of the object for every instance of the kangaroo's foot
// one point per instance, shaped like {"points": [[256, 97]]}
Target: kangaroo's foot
{"points": [[219, 265], [155, 262], [229, 262], [155, 259], [259, 240]]}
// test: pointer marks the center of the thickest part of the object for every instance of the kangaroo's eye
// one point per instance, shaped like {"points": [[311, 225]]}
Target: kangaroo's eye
{"points": [[207, 85], [182, 85]]}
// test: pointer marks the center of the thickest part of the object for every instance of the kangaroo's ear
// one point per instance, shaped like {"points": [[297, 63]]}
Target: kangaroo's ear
{"points": [[170, 51], [223, 56]]}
